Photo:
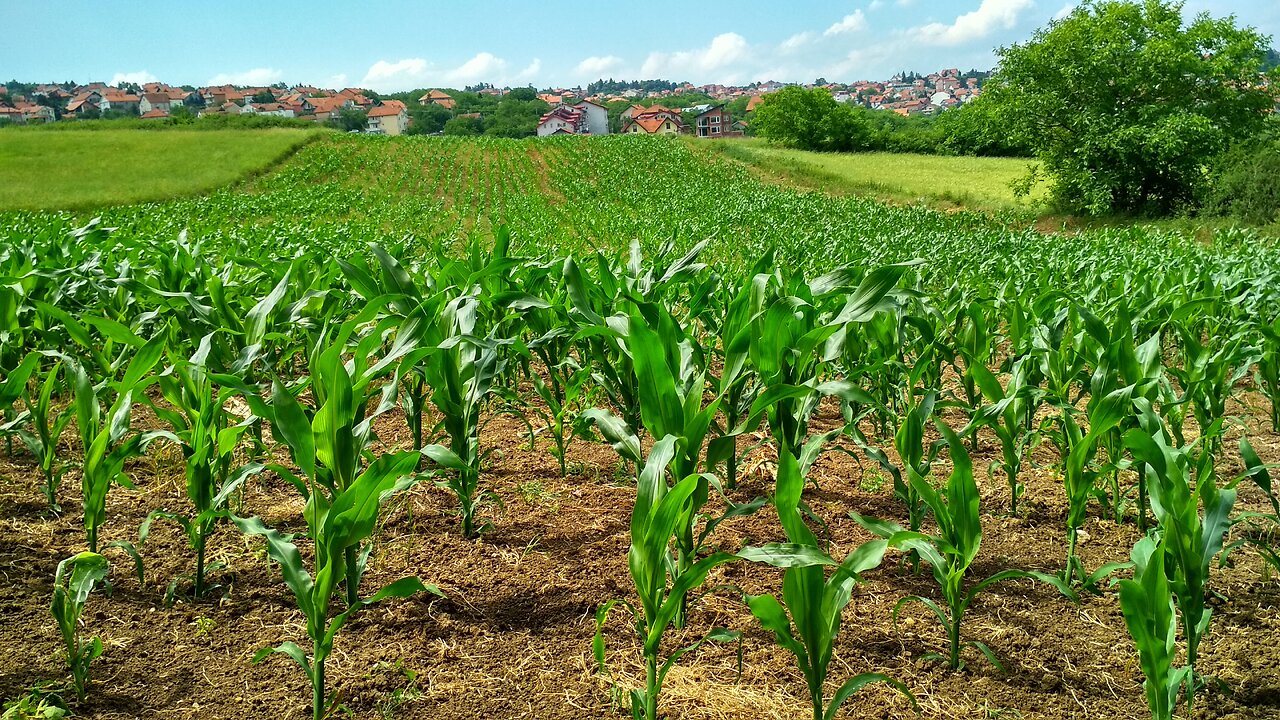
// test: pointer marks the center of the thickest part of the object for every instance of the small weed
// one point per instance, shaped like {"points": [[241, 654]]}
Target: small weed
{"points": [[205, 627], [872, 481], [533, 492]]}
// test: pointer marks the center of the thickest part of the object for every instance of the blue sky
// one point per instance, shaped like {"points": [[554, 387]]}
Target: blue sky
{"points": [[397, 45]]}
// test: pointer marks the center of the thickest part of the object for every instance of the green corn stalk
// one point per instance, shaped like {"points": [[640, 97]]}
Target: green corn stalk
{"points": [[734, 383], [462, 372], [331, 447], [1079, 478], [337, 529], [13, 387], [654, 520], [1147, 604], [1260, 528], [201, 427], [561, 397], [46, 427], [792, 342], [72, 584], [952, 551], [672, 384], [1194, 516], [1007, 416], [1266, 364], [807, 620], [106, 440]]}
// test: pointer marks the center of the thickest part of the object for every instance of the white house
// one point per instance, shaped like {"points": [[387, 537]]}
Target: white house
{"points": [[597, 117], [389, 118]]}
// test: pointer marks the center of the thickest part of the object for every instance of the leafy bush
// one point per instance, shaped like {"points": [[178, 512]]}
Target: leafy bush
{"points": [[1244, 180]]}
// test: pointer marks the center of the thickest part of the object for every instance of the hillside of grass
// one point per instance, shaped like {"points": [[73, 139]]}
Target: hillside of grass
{"points": [[973, 183], [76, 170]]}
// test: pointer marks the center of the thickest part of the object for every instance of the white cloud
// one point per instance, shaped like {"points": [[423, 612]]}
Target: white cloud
{"points": [[338, 81], [597, 66], [142, 77], [256, 76], [1065, 11], [875, 5], [990, 16], [528, 74], [410, 73], [855, 22], [796, 42], [710, 63]]}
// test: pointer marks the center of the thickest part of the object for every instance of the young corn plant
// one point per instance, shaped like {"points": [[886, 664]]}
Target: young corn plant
{"points": [[331, 448], [1194, 516], [1080, 477], [792, 342], [72, 584], [1147, 603], [952, 551], [672, 387], [654, 520], [45, 428], [338, 525], [807, 620], [203, 428], [1259, 529], [106, 440], [13, 387], [462, 373], [1009, 416]]}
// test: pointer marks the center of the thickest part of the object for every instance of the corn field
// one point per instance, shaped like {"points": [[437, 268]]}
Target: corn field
{"points": [[488, 428]]}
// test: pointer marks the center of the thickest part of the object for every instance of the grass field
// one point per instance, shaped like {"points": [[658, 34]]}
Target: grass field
{"points": [[76, 170], [975, 183]]}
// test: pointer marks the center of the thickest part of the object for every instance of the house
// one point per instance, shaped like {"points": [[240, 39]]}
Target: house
{"points": [[155, 114], [154, 101], [596, 117], [656, 120], [436, 97], [84, 101], [276, 109], [754, 102], [12, 115], [356, 96], [329, 107], [120, 102], [389, 118], [715, 122], [563, 120]]}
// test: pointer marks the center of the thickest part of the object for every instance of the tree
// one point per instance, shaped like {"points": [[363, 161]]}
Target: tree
{"points": [[464, 126], [524, 94], [811, 120], [515, 118], [264, 96], [427, 119], [1124, 106], [350, 119]]}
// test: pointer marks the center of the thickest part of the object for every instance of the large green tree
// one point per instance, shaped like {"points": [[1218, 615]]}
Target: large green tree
{"points": [[811, 120], [1125, 103]]}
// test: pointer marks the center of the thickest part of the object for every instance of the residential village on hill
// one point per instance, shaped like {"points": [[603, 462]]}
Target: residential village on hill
{"points": [[571, 111]]}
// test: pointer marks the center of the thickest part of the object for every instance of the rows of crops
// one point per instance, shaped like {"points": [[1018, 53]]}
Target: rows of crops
{"points": [[436, 284]]}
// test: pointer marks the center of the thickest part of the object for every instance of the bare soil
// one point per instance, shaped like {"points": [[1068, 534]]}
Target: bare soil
{"points": [[513, 637]]}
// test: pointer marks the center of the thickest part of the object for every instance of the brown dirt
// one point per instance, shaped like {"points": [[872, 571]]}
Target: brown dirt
{"points": [[513, 637]]}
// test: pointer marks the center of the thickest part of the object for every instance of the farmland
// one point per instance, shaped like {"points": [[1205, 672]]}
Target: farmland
{"points": [[417, 411], [106, 167]]}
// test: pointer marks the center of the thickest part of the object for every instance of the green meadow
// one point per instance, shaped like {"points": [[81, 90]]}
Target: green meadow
{"points": [[82, 169], [974, 183]]}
